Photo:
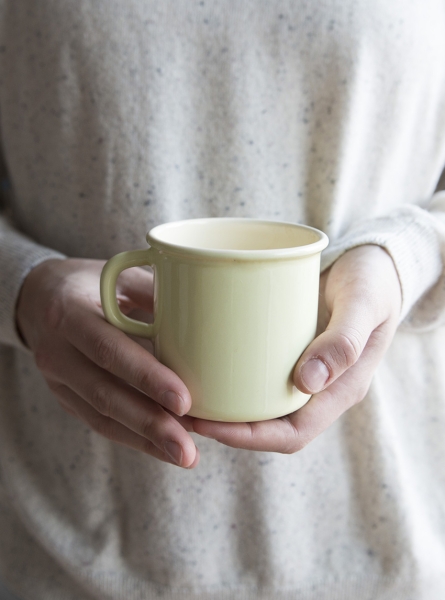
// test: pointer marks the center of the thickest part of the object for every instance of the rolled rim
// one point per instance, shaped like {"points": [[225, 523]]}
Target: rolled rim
{"points": [[154, 238]]}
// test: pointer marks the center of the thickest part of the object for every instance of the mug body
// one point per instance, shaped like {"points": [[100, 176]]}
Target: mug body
{"points": [[236, 304]]}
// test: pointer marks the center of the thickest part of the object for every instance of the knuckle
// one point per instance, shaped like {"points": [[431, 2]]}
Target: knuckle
{"points": [[148, 426], [346, 349], [101, 399], [152, 424], [379, 338], [296, 441], [105, 351], [144, 381]]}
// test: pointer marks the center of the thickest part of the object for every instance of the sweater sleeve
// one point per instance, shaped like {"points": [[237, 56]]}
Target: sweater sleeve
{"points": [[18, 255], [415, 239]]}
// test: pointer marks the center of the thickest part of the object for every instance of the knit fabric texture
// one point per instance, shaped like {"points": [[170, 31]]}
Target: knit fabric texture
{"points": [[118, 116]]}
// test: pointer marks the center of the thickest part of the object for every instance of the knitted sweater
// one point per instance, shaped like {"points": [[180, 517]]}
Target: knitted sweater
{"points": [[117, 116]]}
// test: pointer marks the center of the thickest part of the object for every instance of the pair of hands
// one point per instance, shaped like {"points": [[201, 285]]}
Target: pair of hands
{"points": [[116, 386]]}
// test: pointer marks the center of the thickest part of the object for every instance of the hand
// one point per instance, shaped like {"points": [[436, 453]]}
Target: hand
{"points": [[95, 371], [360, 301]]}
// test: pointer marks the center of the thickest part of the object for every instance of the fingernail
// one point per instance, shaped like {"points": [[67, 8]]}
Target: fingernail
{"points": [[174, 451], [314, 374], [172, 401]]}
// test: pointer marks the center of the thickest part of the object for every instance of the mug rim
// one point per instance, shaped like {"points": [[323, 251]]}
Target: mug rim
{"points": [[223, 254]]}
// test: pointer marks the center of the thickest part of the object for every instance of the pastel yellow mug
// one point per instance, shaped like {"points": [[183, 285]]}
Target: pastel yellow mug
{"points": [[235, 306]]}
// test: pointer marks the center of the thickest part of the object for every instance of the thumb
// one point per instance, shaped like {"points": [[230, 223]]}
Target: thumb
{"points": [[337, 348]]}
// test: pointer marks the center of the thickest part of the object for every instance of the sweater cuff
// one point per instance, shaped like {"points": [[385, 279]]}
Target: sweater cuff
{"points": [[18, 256], [411, 241]]}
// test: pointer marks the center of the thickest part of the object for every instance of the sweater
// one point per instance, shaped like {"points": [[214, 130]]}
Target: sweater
{"points": [[118, 116]]}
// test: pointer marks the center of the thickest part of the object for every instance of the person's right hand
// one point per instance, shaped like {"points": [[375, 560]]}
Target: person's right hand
{"points": [[95, 371]]}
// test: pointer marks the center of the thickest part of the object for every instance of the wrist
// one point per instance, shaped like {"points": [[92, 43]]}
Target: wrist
{"points": [[367, 275]]}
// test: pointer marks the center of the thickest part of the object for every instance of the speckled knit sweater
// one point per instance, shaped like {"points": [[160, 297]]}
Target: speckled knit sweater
{"points": [[120, 115]]}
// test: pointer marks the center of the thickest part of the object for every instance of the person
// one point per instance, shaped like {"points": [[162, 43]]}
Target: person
{"points": [[118, 116]]}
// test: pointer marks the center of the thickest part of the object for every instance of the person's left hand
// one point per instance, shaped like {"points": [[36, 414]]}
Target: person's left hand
{"points": [[360, 300]]}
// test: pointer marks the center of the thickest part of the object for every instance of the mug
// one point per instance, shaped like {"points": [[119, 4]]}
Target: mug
{"points": [[235, 305]]}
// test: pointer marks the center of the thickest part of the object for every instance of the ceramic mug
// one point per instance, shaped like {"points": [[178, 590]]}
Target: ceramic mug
{"points": [[235, 305]]}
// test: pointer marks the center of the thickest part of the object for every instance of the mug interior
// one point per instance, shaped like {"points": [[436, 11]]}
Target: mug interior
{"points": [[234, 234]]}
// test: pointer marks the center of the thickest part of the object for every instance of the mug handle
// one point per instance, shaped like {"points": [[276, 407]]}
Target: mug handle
{"points": [[108, 279]]}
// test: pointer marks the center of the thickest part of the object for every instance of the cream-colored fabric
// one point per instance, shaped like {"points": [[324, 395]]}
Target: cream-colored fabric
{"points": [[117, 116]]}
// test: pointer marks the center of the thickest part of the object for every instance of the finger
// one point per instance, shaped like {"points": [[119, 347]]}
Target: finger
{"points": [[339, 347], [113, 430], [291, 433], [275, 435], [114, 399], [136, 284], [115, 352]]}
